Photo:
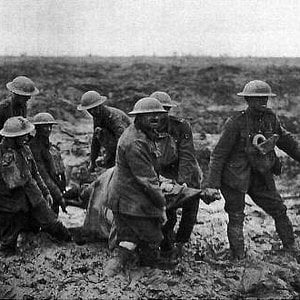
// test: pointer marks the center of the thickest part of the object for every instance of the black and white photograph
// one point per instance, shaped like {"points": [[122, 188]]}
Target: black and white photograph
{"points": [[149, 149]]}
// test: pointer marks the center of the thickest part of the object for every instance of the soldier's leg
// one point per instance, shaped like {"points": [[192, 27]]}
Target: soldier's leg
{"points": [[48, 221], [234, 206], [168, 231], [187, 221], [11, 224], [271, 202], [124, 252]]}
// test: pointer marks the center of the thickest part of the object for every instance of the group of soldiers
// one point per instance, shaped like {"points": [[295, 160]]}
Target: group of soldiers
{"points": [[150, 152]]}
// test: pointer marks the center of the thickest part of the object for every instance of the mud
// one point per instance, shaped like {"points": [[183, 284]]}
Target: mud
{"points": [[46, 269]]}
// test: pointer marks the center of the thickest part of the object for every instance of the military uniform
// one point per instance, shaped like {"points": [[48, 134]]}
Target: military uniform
{"points": [[113, 121], [134, 194], [7, 110], [53, 178], [22, 197], [231, 171], [178, 162]]}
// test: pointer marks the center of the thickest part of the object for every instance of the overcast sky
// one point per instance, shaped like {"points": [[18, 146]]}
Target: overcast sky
{"points": [[147, 27]]}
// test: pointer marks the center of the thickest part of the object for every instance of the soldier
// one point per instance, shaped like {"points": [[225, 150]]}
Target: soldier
{"points": [[177, 162], [244, 161], [48, 159], [22, 191], [108, 121], [22, 89], [136, 199]]}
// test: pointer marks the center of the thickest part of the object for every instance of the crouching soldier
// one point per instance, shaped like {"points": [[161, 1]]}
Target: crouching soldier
{"points": [[109, 124], [244, 161], [48, 159], [22, 190], [136, 198]]}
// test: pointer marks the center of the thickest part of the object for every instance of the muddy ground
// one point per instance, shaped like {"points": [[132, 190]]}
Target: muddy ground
{"points": [[206, 88], [44, 269]]}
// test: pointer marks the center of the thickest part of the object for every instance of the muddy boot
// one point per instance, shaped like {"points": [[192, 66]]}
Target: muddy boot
{"points": [[58, 231], [8, 250], [79, 235], [293, 250], [149, 256], [236, 236], [284, 229], [122, 257]]}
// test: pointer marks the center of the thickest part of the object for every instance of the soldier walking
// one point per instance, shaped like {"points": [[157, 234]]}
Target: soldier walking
{"points": [[244, 162]]}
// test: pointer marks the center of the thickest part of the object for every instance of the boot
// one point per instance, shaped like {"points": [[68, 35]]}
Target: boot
{"points": [[150, 257], [79, 235], [236, 236], [58, 231], [293, 249], [122, 257], [8, 250]]}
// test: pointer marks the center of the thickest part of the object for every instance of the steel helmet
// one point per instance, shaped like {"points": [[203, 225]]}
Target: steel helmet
{"points": [[43, 118], [23, 86], [163, 98], [90, 99], [257, 88], [147, 105], [16, 126]]}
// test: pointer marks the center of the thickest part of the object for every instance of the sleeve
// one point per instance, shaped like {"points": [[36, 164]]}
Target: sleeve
{"points": [[95, 148], [118, 125], [221, 152], [38, 156], [287, 142], [141, 166], [187, 165], [37, 177]]}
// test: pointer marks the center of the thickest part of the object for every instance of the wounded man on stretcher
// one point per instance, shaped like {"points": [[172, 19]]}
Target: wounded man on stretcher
{"points": [[99, 219]]}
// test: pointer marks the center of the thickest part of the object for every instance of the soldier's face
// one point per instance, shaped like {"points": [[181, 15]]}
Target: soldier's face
{"points": [[94, 110], [257, 103], [150, 120], [20, 99], [21, 140], [44, 130]]}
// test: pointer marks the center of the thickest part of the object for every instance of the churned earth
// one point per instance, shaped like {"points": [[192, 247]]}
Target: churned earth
{"points": [[206, 87], [45, 269]]}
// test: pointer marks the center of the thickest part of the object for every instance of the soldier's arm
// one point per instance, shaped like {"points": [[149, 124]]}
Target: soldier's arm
{"points": [[187, 165], [118, 123], [287, 142], [141, 166], [95, 148], [221, 153], [37, 177], [38, 156]]}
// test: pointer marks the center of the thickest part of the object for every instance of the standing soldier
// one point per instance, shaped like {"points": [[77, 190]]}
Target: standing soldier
{"points": [[109, 123], [136, 198], [22, 190], [48, 159], [177, 162], [244, 161], [22, 89]]}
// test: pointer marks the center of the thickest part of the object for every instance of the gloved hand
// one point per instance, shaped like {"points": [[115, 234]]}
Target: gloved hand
{"points": [[49, 200], [210, 195]]}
